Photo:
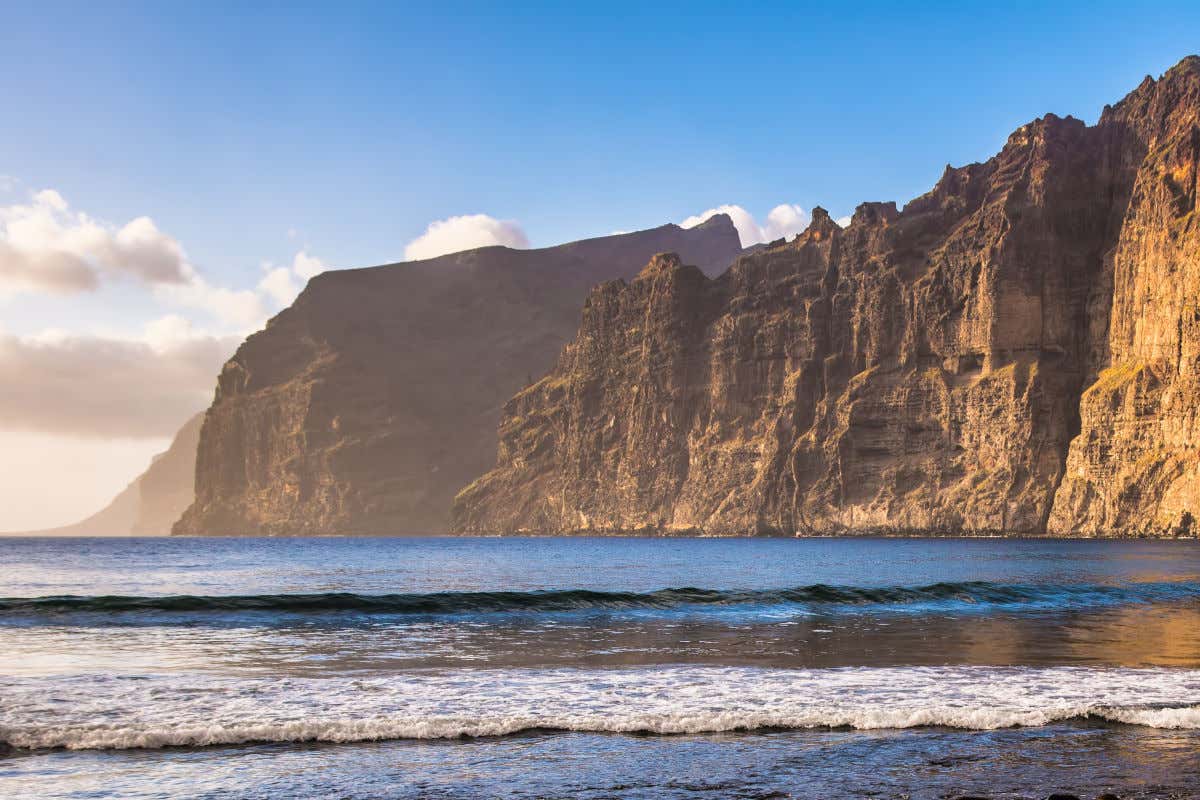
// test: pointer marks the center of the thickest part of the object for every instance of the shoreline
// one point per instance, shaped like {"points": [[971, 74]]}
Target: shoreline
{"points": [[644, 534]]}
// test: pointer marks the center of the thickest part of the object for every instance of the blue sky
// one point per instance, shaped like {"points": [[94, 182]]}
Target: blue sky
{"points": [[357, 124], [343, 130]]}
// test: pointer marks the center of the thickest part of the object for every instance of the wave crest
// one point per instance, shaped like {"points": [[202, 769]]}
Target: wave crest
{"points": [[385, 728], [89, 712], [448, 603]]}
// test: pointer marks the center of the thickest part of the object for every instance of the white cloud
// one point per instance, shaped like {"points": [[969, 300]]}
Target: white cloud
{"points": [[107, 387], [307, 266], [248, 309], [170, 332], [242, 310], [783, 221], [465, 233], [143, 250], [47, 246], [843, 221], [49, 271], [282, 284]]}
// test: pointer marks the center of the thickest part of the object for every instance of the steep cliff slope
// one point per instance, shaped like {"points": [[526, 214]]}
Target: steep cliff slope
{"points": [[1136, 463], [1030, 322], [365, 406], [152, 501]]}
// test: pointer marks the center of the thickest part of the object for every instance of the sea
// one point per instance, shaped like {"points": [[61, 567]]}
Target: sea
{"points": [[598, 668]]}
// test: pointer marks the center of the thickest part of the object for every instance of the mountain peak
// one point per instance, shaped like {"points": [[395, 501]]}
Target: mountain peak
{"points": [[1186, 64], [716, 221], [1156, 107]]}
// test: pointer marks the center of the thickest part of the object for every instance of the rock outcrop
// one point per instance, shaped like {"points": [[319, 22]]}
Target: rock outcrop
{"points": [[367, 404], [1016, 351]]}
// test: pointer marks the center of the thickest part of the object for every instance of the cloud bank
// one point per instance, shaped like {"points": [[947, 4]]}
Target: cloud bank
{"points": [[48, 247], [45, 245], [783, 221], [465, 233], [81, 413], [282, 284], [92, 386]]}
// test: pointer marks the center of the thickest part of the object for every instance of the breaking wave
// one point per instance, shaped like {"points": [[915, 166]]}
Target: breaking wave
{"points": [[165, 711], [381, 729]]}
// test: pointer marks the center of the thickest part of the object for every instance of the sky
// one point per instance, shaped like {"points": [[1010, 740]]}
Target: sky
{"points": [[172, 174]]}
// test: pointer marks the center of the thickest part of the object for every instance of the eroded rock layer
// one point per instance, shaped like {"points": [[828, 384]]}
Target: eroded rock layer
{"points": [[1015, 351], [365, 406]]}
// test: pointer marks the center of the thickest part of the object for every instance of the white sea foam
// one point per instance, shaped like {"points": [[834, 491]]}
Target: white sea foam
{"points": [[94, 712]]}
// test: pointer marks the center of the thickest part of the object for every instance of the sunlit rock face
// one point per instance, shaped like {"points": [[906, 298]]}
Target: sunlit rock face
{"points": [[1016, 351], [1136, 464], [365, 406]]}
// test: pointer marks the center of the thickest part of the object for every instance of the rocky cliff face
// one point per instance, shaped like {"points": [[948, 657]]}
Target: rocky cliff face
{"points": [[1136, 463], [1016, 350], [365, 406]]}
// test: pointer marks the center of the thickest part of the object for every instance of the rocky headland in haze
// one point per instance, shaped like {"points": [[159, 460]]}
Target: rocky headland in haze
{"points": [[152, 502]]}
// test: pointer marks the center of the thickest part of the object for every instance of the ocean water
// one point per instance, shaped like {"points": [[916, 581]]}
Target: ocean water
{"points": [[598, 668]]}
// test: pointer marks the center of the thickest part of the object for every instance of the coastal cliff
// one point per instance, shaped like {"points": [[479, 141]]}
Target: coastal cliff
{"points": [[367, 404], [1016, 351]]}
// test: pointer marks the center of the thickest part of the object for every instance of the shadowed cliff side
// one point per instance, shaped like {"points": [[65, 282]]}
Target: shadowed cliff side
{"points": [[365, 406], [938, 369]]}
